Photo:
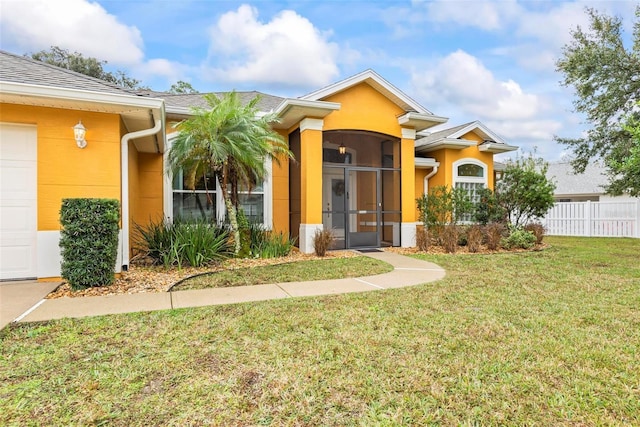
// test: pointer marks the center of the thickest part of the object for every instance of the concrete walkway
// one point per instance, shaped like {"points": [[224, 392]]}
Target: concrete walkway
{"points": [[407, 272]]}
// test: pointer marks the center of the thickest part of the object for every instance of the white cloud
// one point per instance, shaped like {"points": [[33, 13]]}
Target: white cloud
{"points": [[478, 14], [536, 129], [553, 27], [169, 70], [76, 25], [462, 80], [287, 51]]}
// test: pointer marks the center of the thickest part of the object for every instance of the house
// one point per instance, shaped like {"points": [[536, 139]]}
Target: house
{"points": [[587, 186], [363, 157]]}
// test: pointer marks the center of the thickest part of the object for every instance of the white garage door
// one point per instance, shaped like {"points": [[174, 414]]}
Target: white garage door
{"points": [[18, 196]]}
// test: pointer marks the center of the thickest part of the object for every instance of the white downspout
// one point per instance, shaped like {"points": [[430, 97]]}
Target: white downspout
{"points": [[426, 178], [124, 166]]}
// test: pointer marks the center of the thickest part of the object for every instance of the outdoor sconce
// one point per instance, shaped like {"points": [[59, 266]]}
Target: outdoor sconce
{"points": [[79, 132], [342, 149]]}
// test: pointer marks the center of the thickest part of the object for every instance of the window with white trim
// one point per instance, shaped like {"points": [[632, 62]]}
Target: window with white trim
{"points": [[470, 175], [199, 203]]}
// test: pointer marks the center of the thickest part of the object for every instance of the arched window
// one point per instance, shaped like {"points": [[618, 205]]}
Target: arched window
{"points": [[470, 175]]}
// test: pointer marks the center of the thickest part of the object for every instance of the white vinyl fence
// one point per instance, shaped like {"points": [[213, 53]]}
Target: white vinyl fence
{"points": [[596, 219]]}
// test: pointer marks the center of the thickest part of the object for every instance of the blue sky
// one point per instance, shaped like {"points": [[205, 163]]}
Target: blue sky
{"points": [[491, 61]]}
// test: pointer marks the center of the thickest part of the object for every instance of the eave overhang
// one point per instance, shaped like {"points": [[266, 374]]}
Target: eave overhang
{"points": [[425, 162], [450, 143], [137, 112], [292, 111], [420, 121], [496, 147]]}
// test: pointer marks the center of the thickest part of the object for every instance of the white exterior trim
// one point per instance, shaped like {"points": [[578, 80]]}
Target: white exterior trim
{"points": [[488, 133], [307, 231], [267, 195], [95, 97], [311, 124], [408, 133], [475, 179], [408, 234], [124, 190]]}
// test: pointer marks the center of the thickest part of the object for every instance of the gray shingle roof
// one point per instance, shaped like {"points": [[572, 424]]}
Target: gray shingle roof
{"points": [[21, 69], [188, 100], [567, 182], [444, 133]]}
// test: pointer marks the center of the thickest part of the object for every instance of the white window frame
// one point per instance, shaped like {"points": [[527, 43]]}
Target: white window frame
{"points": [[267, 188], [470, 179], [484, 180]]}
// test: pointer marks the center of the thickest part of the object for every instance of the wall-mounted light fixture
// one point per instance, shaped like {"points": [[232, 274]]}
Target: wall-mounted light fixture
{"points": [[79, 131], [342, 149]]}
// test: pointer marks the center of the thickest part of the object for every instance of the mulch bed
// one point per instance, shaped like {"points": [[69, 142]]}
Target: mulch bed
{"points": [[144, 278]]}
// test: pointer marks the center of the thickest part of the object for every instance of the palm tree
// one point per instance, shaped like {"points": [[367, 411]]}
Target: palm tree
{"points": [[230, 141]]}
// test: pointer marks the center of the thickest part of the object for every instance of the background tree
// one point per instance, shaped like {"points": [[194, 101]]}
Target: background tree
{"points": [[89, 66], [230, 141], [182, 87], [606, 78], [524, 192]]}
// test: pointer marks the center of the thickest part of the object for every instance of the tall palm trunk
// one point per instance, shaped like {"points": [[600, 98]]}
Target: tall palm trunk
{"points": [[233, 221]]}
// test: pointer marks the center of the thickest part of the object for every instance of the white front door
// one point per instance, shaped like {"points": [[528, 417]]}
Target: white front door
{"points": [[18, 201]]}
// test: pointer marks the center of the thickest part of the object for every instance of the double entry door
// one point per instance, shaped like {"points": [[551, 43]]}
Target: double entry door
{"points": [[352, 207]]}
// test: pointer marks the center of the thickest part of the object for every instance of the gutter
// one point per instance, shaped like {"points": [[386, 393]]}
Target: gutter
{"points": [[124, 170], [429, 175]]}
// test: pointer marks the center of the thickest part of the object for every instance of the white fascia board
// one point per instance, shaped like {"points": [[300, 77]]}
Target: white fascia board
{"points": [[292, 111], [420, 121], [426, 162], [456, 144], [306, 104], [363, 77], [488, 133], [23, 89], [496, 148]]}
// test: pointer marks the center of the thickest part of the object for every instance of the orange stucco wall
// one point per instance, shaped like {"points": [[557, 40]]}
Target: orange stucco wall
{"points": [[150, 194], [363, 107], [64, 170], [447, 157], [311, 176]]}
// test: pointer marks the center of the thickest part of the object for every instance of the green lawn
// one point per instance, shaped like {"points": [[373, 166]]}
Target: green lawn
{"points": [[321, 269], [539, 338]]}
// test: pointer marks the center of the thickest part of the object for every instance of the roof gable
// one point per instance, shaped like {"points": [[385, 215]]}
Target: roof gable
{"points": [[374, 80], [453, 138]]}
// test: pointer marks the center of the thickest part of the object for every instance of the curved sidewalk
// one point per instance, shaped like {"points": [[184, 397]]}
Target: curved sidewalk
{"points": [[407, 272]]}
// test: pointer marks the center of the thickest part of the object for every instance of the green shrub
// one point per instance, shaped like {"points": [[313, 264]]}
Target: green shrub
{"points": [[519, 238], [200, 243], [156, 240], [524, 192], [537, 229], [89, 241], [441, 207], [267, 244], [474, 238], [322, 241], [195, 243], [487, 210], [274, 245]]}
